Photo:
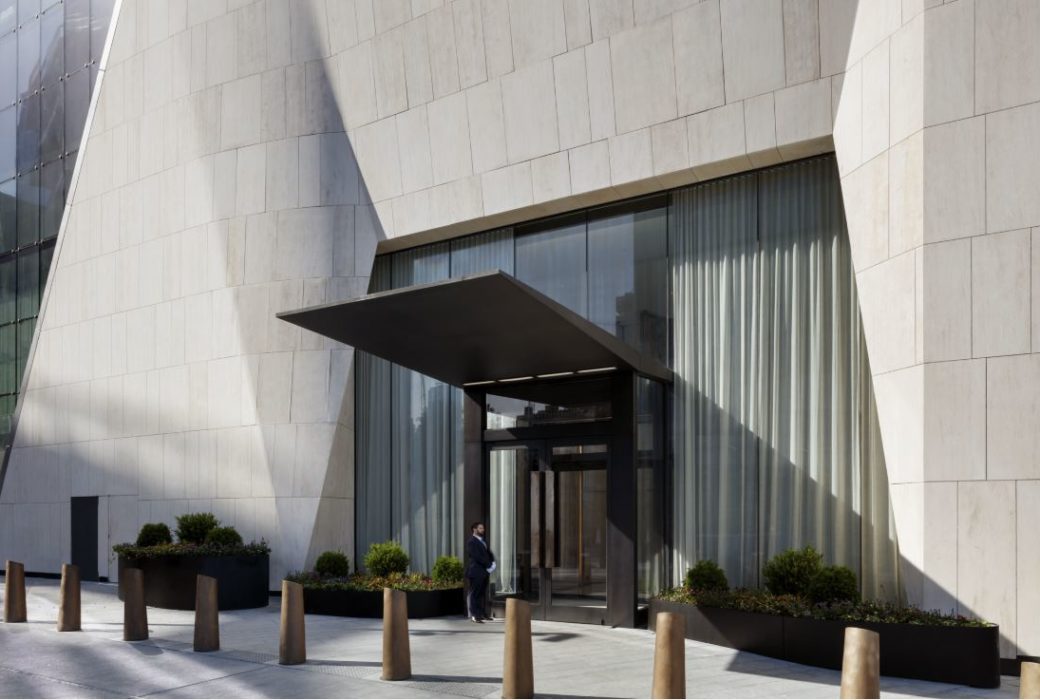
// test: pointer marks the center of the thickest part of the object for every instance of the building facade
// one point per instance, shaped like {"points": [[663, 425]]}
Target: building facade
{"points": [[870, 167]]}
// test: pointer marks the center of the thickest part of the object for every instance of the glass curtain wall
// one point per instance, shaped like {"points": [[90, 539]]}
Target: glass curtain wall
{"points": [[776, 441], [49, 53], [768, 438], [409, 427]]}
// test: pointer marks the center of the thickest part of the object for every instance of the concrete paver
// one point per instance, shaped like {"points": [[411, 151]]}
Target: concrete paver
{"points": [[451, 657]]}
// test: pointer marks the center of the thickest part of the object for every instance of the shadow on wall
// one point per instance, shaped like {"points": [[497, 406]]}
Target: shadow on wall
{"points": [[293, 449]]}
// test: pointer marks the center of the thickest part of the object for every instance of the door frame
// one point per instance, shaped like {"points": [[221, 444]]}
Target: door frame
{"points": [[542, 607], [619, 434]]}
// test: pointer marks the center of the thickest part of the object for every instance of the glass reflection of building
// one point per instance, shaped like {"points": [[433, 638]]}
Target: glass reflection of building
{"points": [[767, 438], [49, 55]]}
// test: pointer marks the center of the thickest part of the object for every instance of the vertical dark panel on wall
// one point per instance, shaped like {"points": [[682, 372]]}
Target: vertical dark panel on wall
{"points": [[85, 536], [473, 486], [621, 506]]}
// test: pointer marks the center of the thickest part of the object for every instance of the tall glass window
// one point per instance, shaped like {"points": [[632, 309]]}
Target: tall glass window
{"points": [[768, 438], [49, 52], [774, 447]]}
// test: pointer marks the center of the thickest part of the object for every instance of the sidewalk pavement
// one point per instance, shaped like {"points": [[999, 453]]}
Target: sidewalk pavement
{"points": [[451, 658]]}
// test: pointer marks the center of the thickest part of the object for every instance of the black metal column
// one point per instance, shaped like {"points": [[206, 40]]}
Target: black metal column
{"points": [[621, 505], [473, 486]]}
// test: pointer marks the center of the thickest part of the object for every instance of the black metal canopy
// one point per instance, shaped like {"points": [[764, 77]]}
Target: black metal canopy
{"points": [[479, 328]]}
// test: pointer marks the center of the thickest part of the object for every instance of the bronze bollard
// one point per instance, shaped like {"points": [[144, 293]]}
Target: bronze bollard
{"points": [[69, 608], [670, 657], [397, 654], [292, 647], [518, 666], [207, 617], [1029, 680], [861, 664], [14, 592], [135, 613]]}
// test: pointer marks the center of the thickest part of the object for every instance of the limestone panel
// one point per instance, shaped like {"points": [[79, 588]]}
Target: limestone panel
{"points": [[986, 555], [601, 90], [753, 47], [949, 65], [955, 180], [1028, 568], [529, 106], [1013, 168], [955, 421], [697, 37], [572, 98], [413, 135], [1013, 417], [449, 139], [487, 126], [1007, 55], [801, 40], [538, 30], [946, 302], [717, 145], [1001, 298], [644, 76]]}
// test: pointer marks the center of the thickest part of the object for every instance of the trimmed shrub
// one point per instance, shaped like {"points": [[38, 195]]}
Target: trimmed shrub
{"points": [[447, 569], [193, 527], [834, 584], [792, 571], [152, 534], [706, 576], [385, 558], [332, 564], [224, 537]]}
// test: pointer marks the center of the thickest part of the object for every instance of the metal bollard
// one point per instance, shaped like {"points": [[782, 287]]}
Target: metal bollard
{"points": [[292, 647], [207, 615], [69, 608], [518, 666], [135, 613], [861, 664], [670, 657], [397, 654], [1029, 680]]}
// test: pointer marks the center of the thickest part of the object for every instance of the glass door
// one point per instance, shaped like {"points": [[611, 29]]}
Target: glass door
{"points": [[547, 524]]}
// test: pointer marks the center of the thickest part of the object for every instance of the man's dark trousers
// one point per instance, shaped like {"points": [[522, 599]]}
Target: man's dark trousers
{"points": [[480, 559], [477, 594]]}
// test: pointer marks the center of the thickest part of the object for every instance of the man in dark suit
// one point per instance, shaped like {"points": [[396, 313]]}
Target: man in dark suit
{"points": [[480, 564]]}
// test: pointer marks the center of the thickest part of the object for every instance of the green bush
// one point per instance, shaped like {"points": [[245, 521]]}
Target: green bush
{"points": [[385, 558], [152, 534], [792, 571], [193, 527], [706, 576], [224, 537], [834, 584], [447, 569], [332, 564]]}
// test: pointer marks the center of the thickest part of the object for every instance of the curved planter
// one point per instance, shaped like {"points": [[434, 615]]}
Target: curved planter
{"points": [[964, 655], [370, 603], [169, 582]]}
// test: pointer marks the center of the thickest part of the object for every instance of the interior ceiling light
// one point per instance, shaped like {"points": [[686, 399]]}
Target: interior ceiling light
{"points": [[596, 369], [516, 379], [555, 374], [486, 381]]}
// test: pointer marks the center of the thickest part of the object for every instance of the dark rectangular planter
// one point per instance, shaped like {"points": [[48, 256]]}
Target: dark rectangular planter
{"points": [[370, 603], [964, 655], [169, 582]]}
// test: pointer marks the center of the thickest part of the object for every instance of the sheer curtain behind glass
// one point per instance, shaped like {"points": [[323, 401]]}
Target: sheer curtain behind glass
{"points": [[776, 443], [423, 457]]}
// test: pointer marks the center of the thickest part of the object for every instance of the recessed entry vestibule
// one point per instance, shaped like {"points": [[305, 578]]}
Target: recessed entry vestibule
{"points": [[562, 459]]}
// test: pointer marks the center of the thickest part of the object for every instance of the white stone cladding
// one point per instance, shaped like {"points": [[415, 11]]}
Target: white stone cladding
{"points": [[219, 185]]}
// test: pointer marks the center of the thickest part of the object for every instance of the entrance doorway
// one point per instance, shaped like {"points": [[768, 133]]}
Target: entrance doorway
{"points": [[547, 523]]}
